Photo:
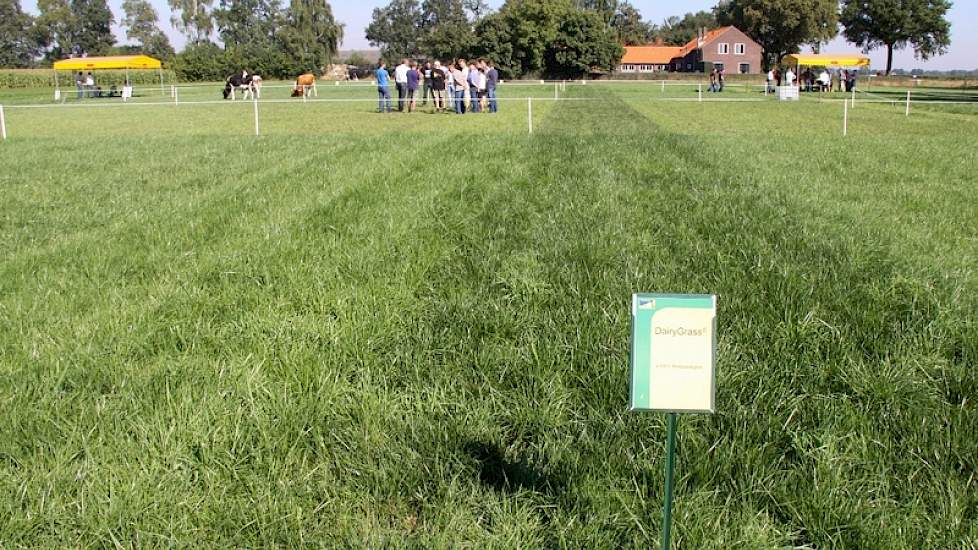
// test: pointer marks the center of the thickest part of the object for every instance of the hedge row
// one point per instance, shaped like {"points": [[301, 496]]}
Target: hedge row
{"points": [[44, 78]]}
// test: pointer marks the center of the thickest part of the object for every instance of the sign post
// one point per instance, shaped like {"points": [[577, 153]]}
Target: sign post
{"points": [[673, 367]]}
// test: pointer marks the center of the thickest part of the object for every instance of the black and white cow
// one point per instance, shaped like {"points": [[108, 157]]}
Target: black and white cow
{"points": [[246, 83]]}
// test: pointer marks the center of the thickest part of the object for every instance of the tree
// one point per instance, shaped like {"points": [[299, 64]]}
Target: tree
{"points": [[629, 27], [477, 9], [93, 31], [142, 26], [445, 29], [57, 28], [18, 38], [249, 29], [193, 18], [607, 9], [897, 23], [494, 41], [396, 28], [310, 36], [781, 26], [584, 44], [678, 32], [532, 26]]}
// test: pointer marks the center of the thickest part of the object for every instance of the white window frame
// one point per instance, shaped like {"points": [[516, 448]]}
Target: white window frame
{"points": [[740, 49], [723, 48], [740, 68], [646, 68], [628, 68]]}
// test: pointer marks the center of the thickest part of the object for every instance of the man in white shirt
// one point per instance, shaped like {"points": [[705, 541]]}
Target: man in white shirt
{"points": [[770, 81], [401, 81], [825, 80], [789, 77]]}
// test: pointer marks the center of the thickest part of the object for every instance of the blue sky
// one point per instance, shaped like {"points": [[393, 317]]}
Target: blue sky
{"points": [[355, 14]]}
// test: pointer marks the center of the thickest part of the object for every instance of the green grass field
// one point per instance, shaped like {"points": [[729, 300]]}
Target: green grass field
{"points": [[412, 330]]}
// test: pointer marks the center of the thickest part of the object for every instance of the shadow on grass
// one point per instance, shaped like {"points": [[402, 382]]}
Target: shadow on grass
{"points": [[505, 475]]}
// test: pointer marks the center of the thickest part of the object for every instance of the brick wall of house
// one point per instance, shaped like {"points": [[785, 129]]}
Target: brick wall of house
{"points": [[731, 60]]}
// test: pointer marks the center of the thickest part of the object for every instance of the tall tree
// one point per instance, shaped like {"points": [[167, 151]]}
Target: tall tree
{"points": [[584, 44], [310, 35], [57, 28], [93, 34], [678, 31], [142, 26], [629, 27], [607, 9], [495, 41], [193, 18], [446, 30], [533, 26], [781, 26], [396, 28], [894, 24], [18, 38], [249, 29], [477, 9]]}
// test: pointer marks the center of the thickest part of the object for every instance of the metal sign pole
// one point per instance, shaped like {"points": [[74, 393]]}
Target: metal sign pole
{"points": [[670, 468]]}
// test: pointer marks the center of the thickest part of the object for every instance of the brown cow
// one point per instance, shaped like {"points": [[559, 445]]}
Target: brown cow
{"points": [[305, 85]]}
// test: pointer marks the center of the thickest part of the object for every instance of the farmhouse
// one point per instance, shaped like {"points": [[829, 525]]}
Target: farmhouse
{"points": [[726, 47], [648, 59]]}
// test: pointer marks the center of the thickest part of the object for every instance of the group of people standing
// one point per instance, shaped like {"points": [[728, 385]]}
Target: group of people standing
{"points": [[824, 81], [718, 78], [460, 86]]}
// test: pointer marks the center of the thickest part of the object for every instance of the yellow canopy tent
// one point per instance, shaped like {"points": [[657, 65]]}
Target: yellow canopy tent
{"points": [[116, 62], [827, 60]]}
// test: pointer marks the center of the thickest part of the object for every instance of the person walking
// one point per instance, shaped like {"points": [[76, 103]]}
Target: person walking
{"points": [[383, 89], [438, 86], [413, 82], [770, 81], [713, 81], [400, 81], [789, 77], [427, 74], [80, 84], [492, 80], [721, 79]]}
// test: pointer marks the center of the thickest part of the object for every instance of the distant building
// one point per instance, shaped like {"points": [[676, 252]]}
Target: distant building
{"points": [[726, 47], [648, 59]]}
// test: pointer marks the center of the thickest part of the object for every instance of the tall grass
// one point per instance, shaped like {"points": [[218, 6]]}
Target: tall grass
{"points": [[394, 330]]}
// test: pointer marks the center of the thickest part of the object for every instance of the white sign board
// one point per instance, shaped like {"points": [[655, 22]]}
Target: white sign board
{"points": [[673, 358]]}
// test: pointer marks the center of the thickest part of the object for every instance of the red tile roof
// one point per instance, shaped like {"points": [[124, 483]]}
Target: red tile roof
{"points": [[650, 55], [710, 37]]}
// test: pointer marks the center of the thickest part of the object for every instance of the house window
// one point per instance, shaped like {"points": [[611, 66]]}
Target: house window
{"points": [[723, 48], [739, 49], [628, 68], [745, 68], [646, 68], [718, 66]]}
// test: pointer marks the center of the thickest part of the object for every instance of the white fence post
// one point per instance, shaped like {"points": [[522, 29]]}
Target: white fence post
{"points": [[256, 115], [853, 98], [845, 118], [908, 102], [529, 113], [663, 86], [700, 93], [555, 91], [3, 124], [176, 96]]}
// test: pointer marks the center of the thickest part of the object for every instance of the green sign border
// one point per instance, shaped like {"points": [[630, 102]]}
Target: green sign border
{"points": [[641, 326]]}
